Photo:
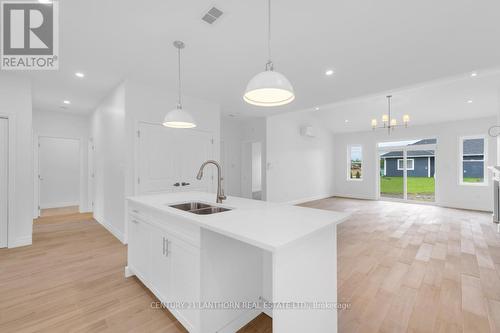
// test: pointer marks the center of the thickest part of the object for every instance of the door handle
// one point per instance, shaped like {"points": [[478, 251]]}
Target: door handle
{"points": [[167, 246], [177, 184], [185, 184]]}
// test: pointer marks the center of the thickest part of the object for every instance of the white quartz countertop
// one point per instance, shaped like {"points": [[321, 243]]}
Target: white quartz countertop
{"points": [[270, 226]]}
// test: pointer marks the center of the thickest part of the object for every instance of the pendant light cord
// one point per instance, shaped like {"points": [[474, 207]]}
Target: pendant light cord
{"points": [[179, 104], [269, 65], [389, 113]]}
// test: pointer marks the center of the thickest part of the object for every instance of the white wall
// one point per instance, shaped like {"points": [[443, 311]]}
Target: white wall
{"points": [[16, 103], [448, 191], [108, 135], [63, 125], [114, 132], [299, 168]]}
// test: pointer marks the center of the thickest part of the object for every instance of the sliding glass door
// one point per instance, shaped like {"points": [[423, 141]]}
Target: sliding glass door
{"points": [[407, 170], [391, 178]]}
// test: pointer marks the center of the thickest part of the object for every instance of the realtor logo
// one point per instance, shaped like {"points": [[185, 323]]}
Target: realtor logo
{"points": [[30, 35]]}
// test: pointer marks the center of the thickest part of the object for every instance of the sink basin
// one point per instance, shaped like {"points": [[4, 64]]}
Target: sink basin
{"points": [[209, 210], [188, 206], [199, 208]]}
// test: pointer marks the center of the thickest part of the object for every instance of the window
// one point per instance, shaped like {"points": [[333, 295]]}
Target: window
{"points": [[472, 161], [410, 164], [355, 160]]}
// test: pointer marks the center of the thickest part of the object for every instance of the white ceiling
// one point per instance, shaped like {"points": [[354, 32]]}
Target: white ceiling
{"points": [[372, 45], [433, 102]]}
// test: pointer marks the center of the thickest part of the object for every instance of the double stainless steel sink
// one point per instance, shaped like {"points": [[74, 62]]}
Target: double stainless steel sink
{"points": [[199, 208]]}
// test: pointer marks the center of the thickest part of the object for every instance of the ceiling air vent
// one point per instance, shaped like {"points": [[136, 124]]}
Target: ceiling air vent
{"points": [[212, 15]]}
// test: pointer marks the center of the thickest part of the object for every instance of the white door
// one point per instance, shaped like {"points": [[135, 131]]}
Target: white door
{"points": [[169, 159], [4, 188], [196, 148], [157, 159], [59, 170]]}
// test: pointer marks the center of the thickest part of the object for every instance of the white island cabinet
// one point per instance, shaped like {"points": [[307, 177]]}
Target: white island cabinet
{"points": [[217, 272]]}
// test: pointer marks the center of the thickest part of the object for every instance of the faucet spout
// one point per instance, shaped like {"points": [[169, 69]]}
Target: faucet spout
{"points": [[220, 191]]}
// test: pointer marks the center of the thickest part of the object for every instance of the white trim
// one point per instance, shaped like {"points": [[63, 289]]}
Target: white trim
{"points": [[110, 228], [385, 167], [408, 159], [304, 200], [428, 167], [60, 204], [460, 159], [81, 175], [349, 164], [11, 241]]}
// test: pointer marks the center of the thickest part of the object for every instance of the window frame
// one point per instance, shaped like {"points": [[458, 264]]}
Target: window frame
{"points": [[461, 160], [407, 169], [349, 165]]}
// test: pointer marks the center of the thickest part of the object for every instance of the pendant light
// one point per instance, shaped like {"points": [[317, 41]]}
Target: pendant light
{"points": [[178, 117], [269, 88]]}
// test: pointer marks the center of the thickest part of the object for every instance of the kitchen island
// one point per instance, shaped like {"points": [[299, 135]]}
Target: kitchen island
{"points": [[216, 269]]}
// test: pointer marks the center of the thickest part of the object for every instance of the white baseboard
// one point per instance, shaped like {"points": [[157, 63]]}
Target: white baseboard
{"points": [[110, 228], [354, 196], [59, 204], [304, 200], [240, 321], [21, 241]]}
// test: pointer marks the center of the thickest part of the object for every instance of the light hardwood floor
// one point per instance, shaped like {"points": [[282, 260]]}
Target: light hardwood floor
{"points": [[402, 268], [416, 268]]}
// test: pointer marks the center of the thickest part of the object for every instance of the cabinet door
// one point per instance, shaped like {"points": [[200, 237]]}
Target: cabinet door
{"points": [[185, 281], [160, 264], [139, 248]]}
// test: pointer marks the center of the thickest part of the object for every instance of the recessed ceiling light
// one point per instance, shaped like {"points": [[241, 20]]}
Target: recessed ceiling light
{"points": [[469, 101], [473, 74], [329, 72], [66, 102], [80, 74], [316, 108], [347, 120]]}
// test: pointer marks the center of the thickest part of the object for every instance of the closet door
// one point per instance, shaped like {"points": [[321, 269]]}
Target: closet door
{"points": [[4, 188], [169, 159], [158, 157], [197, 147]]}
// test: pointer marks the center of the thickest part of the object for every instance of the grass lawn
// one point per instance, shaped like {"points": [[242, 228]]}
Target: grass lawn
{"points": [[416, 185], [472, 180]]}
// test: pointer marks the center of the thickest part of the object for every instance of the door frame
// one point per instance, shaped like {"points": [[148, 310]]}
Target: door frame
{"points": [[11, 178], [405, 150], [36, 168]]}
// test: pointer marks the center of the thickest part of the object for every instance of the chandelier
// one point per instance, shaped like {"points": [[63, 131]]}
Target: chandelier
{"points": [[389, 123]]}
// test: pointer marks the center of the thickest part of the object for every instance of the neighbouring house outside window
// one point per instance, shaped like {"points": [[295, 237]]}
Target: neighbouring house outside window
{"points": [[355, 162]]}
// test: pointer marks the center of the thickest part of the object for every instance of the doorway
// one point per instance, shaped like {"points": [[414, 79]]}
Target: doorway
{"points": [[58, 175], [4, 180], [407, 170], [251, 170]]}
